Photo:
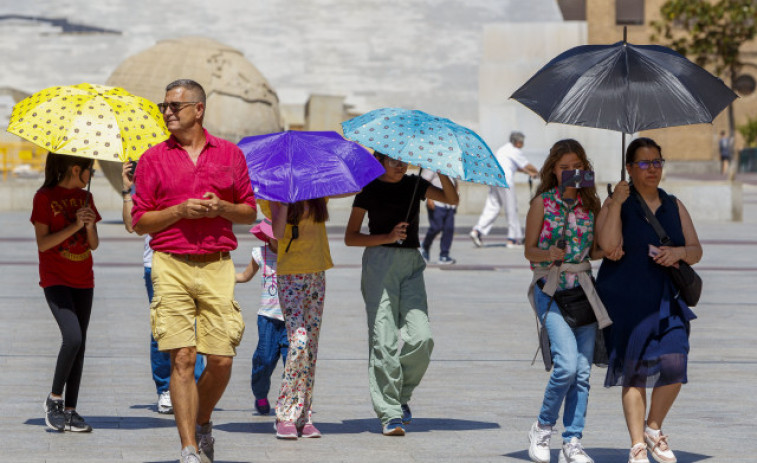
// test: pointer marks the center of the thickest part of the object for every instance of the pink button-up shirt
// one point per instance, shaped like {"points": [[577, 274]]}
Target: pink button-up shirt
{"points": [[166, 176]]}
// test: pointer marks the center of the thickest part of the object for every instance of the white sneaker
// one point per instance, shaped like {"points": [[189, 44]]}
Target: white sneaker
{"points": [[164, 403], [538, 438], [475, 235], [573, 452], [638, 454], [659, 449]]}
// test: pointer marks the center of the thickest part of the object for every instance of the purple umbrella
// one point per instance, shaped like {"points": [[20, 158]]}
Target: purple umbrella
{"points": [[295, 166]]}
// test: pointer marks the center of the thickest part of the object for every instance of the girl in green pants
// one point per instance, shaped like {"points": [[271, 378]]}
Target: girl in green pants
{"points": [[393, 287]]}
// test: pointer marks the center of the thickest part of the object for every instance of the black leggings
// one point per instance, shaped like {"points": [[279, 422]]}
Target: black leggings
{"points": [[71, 308]]}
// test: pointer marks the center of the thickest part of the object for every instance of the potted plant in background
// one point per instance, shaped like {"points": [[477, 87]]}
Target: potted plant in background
{"points": [[748, 156]]}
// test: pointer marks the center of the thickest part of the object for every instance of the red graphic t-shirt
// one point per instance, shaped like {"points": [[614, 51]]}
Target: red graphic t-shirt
{"points": [[70, 262]]}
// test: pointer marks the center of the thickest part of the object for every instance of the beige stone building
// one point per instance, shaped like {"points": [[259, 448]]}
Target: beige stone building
{"points": [[696, 143]]}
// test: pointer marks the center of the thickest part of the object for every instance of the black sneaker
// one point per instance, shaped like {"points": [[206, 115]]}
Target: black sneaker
{"points": [[75, 423], [55, 419], [424, 254], [446, 260]]}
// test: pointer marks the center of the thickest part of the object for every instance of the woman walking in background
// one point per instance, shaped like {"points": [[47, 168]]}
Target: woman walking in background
{"points": [[64, 218]]}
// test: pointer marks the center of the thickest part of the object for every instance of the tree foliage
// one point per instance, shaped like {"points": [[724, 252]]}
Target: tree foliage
{"points": [[708, 32]]}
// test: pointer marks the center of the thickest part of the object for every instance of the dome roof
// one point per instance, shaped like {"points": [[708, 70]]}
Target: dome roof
{"points": [[240, 101]]}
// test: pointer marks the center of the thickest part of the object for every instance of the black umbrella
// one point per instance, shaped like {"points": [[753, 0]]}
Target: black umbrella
{"points": [[624, 87]]}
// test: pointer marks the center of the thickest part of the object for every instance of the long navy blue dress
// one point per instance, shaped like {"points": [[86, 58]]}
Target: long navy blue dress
{"points": [[648, 342]]}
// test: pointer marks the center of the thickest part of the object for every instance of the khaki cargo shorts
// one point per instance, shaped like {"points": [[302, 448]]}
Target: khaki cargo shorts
{"points": [[193, 305]]}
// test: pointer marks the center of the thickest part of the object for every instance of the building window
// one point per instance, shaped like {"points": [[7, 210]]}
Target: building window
{"points": [[629, 11]]}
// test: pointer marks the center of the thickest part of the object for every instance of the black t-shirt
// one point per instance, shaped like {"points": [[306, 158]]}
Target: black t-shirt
{"points": [[387, 205]]}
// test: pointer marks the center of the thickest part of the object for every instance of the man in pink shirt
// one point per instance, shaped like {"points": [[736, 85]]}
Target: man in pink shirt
{"points": [[190, 189]]}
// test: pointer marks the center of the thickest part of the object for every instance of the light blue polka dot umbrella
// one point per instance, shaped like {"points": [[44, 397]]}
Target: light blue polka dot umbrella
{"points": [[427, 141]]}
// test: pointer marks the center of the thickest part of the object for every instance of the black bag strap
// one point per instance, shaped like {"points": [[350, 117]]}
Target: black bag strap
{"points": [[664, 238]]}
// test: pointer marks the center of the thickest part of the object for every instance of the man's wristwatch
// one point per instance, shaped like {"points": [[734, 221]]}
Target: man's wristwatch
{"points": [[125, 192]]}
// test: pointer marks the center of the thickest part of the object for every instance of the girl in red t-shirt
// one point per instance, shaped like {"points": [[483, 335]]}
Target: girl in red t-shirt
{"points": [[64, 218]]}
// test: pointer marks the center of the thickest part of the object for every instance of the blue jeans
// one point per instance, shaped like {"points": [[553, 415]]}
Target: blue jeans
{"points": [[441, 219], [272, 344], [161, 361], [572, 353]]}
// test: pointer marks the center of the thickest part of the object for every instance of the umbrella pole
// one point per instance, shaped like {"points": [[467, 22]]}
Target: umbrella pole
{"points": [[412, 198], [623, 159]]}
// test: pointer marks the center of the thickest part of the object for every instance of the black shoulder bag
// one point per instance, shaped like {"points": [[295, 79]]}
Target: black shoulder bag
{"points": [[685, 279]]}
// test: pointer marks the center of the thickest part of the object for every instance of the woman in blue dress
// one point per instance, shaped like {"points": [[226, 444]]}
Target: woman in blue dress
{"points": [[648, 342]]}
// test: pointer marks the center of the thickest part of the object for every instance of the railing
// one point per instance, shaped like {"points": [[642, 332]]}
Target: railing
{"points": [[15, 154]]}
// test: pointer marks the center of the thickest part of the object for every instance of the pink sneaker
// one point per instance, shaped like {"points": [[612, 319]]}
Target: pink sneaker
{"points": [[659, 449], [286, 430], [310, 431]]}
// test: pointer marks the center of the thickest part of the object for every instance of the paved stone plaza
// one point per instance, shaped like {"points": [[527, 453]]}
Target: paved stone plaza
{"points": [[476, 403]]}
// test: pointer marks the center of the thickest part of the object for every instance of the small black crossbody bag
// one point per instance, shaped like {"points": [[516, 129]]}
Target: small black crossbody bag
{"points": [[574, 306]]}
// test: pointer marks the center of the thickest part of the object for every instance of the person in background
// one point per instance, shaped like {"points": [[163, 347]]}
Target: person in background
{"points": [[512, 160], [393, 288], [189, 190], [648, 343], [441, 218], [725, 147], [272, 331], [160, 362], [65, 226]]}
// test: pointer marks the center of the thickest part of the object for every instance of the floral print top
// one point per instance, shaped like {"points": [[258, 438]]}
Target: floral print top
{"points": [[579, 235]]}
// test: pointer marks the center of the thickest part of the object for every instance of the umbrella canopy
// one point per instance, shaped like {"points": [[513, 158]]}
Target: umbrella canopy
{"points": [[427, 141], [624, 87], [93, 121], [295, 166]]}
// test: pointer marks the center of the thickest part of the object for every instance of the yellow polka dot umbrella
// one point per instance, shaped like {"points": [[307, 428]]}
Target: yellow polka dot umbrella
{"points": [[93, 121]]}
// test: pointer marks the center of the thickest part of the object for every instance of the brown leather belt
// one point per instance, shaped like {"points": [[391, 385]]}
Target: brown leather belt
{"points": [[201, 258]]}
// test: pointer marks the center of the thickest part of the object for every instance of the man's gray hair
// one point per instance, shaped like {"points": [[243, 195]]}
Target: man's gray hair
{"points": [[517, 137], [190, 85]]}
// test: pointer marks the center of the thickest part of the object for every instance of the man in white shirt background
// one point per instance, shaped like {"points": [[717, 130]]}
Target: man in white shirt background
{"points": [[512, 160]]}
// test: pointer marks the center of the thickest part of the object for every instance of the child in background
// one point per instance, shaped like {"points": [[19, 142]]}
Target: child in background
{"points": [[272, 333], [301, 272], [65, 225]]}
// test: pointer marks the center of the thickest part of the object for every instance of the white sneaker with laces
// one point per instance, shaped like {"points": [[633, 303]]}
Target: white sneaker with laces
{"points": [[164, 403], [573, 452], [638, 454], [659, 449], [538, 438]]}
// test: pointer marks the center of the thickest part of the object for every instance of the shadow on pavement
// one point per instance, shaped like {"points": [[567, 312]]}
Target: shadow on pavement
{"points": [[370, 425], [607, 454], [117, 422]]}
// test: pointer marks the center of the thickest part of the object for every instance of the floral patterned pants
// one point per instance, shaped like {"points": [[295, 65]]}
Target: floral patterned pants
{"points": [[301, 298]]}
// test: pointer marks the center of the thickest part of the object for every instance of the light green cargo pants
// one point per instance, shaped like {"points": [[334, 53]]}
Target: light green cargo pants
{"points": [[395, 301]]}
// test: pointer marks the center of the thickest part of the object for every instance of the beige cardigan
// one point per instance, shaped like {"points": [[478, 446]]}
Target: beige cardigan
{"points": [[553, 273]]}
